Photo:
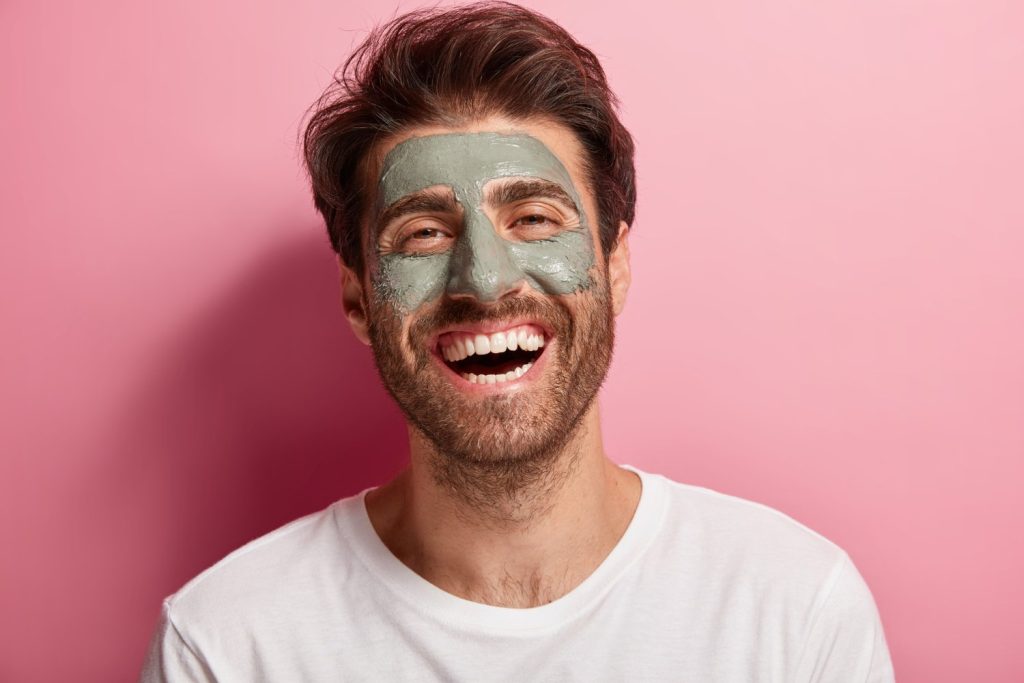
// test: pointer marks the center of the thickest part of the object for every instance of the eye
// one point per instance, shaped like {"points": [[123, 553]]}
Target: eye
{"points": [[425, 234], [535, 224], [422, 238], [534, 219]]}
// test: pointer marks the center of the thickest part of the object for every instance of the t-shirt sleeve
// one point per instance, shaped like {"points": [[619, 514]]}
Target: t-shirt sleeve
{"points": [[845, 642], [170, 658]]}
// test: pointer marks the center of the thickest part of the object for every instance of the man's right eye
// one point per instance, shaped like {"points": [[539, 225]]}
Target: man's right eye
{"points": [[425, 234], [424, 239]]}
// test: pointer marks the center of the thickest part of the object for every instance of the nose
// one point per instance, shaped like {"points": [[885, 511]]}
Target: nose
{"points": [[481, 265]]}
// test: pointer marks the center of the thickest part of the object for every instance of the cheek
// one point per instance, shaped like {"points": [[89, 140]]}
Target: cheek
{"points": [[408, 282], [559, 265], [391, 337]]}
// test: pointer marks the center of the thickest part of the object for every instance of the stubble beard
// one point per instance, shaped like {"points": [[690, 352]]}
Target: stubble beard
{"points": [[501, 454]]}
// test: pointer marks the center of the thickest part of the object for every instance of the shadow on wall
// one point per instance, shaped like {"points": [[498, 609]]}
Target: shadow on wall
{"points": [[266, 409]]}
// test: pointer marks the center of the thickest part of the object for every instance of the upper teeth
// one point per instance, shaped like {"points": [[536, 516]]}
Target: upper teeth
{"points": [[458, 345]]}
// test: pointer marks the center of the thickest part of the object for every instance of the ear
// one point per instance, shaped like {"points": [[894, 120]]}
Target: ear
{"points": [[619, 276], [353, 302]]}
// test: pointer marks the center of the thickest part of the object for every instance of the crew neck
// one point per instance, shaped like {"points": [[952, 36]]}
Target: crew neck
{"points": [[354, 524]]}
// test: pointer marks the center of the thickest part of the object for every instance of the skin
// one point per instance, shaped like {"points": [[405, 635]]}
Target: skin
{"points": [[482, 262], [542, 539]]}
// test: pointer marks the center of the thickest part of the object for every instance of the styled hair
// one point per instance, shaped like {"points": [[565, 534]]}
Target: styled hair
{"points": [[445, 66]]}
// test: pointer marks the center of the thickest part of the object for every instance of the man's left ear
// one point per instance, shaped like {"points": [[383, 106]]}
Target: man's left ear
{"points": [[618, 269]]}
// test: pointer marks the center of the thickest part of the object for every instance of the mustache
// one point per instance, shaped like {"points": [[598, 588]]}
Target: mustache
{"points": [[458, 311]]}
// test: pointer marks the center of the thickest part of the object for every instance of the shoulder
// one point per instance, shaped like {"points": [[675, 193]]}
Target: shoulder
{"points": [[798, 590], [281, 571], [744, 539]]}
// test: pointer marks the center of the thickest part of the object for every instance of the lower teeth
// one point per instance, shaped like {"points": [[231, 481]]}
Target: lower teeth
{"points": [[497, 379]]}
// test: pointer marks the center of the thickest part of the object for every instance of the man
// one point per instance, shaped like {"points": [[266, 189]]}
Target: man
{"points": [[478, 186]]}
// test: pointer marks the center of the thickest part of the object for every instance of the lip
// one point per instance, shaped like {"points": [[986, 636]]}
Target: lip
{"points": [[490, 327], [464, 385]]}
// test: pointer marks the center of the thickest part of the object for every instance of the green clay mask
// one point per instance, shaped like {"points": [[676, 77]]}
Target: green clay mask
{"points": [[480, 262]]}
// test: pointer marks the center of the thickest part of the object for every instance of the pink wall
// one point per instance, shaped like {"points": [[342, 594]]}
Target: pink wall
{"points": [[827, 312]]}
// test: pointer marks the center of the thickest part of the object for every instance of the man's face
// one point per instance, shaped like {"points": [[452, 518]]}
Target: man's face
{"points": [[488, 305]]}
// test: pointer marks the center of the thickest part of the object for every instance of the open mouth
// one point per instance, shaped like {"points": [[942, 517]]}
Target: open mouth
{"points": [[492, 358]]}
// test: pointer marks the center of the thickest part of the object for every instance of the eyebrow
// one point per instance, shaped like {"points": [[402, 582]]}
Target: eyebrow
{"points": [[424, 201], [529, 188]]}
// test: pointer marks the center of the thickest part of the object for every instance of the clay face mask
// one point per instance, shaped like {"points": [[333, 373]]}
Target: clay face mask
{"points": [[480, 261]]}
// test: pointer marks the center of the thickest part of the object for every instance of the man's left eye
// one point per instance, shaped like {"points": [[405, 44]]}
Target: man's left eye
{"points": [[534, 219]]}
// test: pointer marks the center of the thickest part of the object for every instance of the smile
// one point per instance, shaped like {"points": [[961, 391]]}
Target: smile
{"points": [[493, 358]]}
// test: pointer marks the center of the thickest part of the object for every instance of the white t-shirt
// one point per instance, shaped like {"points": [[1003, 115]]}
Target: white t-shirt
{"points": [[701, 587]]}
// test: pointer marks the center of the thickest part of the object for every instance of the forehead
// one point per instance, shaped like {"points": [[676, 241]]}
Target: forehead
{"points": [[466, 162]]}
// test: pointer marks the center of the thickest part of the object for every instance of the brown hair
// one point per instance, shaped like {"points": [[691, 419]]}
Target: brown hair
{"points": [[442, 66]]}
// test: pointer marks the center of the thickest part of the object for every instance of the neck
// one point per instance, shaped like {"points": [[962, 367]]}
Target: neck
{"points": [[503, 534]]}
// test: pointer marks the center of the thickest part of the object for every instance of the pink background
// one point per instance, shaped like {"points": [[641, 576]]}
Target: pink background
{"points": [[826, 316]]}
